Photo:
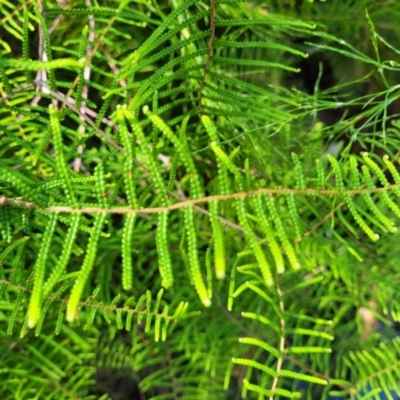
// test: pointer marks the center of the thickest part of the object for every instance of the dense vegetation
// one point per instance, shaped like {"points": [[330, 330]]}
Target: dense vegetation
{"points": [[199, 200]]}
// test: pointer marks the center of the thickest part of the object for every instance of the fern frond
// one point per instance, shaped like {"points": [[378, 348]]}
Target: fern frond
{"points": [[36, 301], [91, 251]]}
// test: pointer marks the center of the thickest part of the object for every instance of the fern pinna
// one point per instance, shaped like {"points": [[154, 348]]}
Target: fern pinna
{"points": [[168, 209]]}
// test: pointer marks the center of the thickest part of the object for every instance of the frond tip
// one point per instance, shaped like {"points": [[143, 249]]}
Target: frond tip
{"points": [[83, 275], [35, 305], [194, 258]]}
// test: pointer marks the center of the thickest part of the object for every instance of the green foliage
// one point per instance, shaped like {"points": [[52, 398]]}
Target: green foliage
{"points": [[174, 202]]}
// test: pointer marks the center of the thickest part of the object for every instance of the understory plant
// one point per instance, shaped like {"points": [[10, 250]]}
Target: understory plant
{"points": [[199, 200]]}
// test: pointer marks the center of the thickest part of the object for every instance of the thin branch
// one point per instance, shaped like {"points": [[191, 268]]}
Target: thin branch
{"points": [[4, 99], [221, 197], [77, 163], [71, 104], [57, 20], [89, 60], [209, 53], [9, 349]]}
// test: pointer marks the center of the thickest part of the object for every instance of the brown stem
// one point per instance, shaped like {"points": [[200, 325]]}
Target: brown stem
{"points": [[209, 53]]}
